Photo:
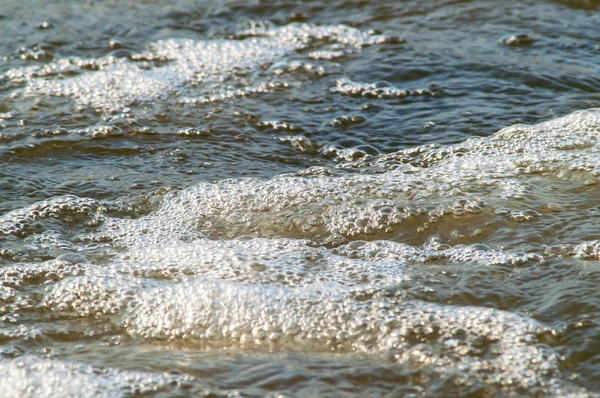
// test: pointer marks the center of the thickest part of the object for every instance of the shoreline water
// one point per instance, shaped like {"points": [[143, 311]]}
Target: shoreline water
{"points": [[330, 199]]}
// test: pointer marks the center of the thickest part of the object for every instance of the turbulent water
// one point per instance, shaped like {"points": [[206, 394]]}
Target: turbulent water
{"points": [[286, 198]]}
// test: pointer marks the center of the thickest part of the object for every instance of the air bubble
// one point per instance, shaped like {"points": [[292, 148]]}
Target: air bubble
{"points": [[518, 40]]}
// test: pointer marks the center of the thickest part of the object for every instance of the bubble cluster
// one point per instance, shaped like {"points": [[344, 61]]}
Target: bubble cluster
{"points": [[170, 295], [424, 191], [327, 54], [220, 94], [317, 309], [278, 125], [498, 347], [434, 251], [35, 53], [22, 222], [317, 206], [68, 208], [29, 376], [377, 90], [589, 250], [74, 285], [439, 270], [279, 68], [8, 115], [303, 33], [314, 261], [181, 67], [286, 262]]}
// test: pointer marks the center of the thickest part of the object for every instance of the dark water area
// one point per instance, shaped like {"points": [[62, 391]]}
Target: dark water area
{"points": [[299, 198]]}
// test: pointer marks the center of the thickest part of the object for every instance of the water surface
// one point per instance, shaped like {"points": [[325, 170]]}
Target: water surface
{"points": [[343, 198]]}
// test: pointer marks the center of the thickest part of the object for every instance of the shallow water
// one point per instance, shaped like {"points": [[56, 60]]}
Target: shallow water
{"points": [[343, 198]]}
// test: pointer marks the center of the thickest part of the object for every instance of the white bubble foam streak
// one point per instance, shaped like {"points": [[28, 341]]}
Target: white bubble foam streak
{"points": [[29, 376], [183, 63]]}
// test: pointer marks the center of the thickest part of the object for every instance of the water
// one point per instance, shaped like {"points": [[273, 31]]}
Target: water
{"points": [[342, 198]]}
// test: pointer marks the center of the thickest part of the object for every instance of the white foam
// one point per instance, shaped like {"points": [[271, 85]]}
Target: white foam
{"points": [[174, 299], [174, 67], [496, 346], [376, 90], [304, 281], [480, 180], [29, 376]]}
